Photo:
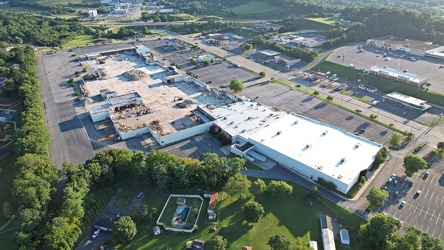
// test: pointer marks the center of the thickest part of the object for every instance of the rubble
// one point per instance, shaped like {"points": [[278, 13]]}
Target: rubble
{"points": [[135, 75]]}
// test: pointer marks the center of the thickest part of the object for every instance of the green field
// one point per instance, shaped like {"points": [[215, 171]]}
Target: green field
{"points": [[56, 2], [80, 41], [20, 8], [292, 216], [252, 7], [329, 21]]}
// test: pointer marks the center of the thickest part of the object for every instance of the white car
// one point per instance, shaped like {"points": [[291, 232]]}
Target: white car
{"points": [[96, 233], [402, 204]]}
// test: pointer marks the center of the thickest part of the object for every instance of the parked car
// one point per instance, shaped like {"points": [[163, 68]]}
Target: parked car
{"points": [[140, 195], [402, 204], [418, 192], [195, 244], [96, 233], [426, 174]]}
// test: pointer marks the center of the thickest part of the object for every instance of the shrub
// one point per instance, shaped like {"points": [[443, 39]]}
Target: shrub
{"points": [[327, 184]]}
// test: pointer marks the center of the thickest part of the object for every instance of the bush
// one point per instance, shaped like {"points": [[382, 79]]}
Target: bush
{"points": [[327, 184], [441, 144], [279, 188]]}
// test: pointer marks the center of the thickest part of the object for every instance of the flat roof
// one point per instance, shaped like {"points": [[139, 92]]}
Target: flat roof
{"points": [[407, 99], [344, 155], [404, 76], [269, 52], [244, 118], [407, 43], [288, 58], [126, 98], [102, 108], [328, 239]]}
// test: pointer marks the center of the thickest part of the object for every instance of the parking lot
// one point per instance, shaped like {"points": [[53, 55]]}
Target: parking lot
{"points": [[422, 211], [277, 95], [218, 74], [424, 67]]}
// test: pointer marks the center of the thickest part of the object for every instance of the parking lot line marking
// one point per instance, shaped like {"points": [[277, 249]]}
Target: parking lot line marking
{"points": [[431, 196], [433, 232], [442, 224], [439, 216], [426, 194], [431, 217], [442, 200], [439, 237], [416, 224], [427, 230], [421, 227]]}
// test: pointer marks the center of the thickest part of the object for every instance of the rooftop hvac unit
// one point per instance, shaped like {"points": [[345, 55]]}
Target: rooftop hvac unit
{"points": [[320, 167], [296, 122], [279, 132], [340, 177], [325, 132], [342, 160], [308, 145], [357, 145]]}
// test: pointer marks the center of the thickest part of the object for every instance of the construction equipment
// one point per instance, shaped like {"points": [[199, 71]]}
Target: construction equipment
{"points": [[178, 98]]}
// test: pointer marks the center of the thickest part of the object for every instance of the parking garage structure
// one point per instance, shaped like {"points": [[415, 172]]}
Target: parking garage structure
{"points": [[406, 101]]}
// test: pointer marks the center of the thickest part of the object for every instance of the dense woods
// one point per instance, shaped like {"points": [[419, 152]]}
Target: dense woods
{"points": [[38, 30], [206, 28]]}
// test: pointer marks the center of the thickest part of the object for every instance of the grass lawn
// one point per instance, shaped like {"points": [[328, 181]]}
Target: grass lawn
{"points": [[81, 40], [292, 216], [329, 21], [6, 239], [6, 179], [171, 207], [252, 7], [20, 8], [55, 2], [126, 196]]}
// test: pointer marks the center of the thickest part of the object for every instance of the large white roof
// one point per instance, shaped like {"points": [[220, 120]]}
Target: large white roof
{"points": [[244, 118], [320, 146]]}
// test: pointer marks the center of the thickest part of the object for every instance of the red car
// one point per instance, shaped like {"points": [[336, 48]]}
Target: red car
{"points": [[402, 180]]}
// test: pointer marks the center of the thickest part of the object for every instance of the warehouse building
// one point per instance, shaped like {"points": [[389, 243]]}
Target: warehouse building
{"points": [[406, 101], [412, 47], [296, 142]]}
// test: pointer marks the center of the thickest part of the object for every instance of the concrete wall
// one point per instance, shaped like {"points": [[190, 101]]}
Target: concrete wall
{"points": [[301, 168], [184, 134], [202, 86], [99, 117], [133, 133]]}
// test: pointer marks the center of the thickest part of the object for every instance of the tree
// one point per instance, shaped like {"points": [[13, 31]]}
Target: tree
{"points": [[258, 40], [380, 157], [145, 31], [377, 197], [7, 210], [253, 211], [316, 93], [217, 242], [378, 232], [237, 164], [124, 229], [279, 188], [262, 74], [329, 98], [314, 193], [248, 46], [206, 63], [413, 163], [395, 140], [141, 212], [259, 186], [237, 185], [236, 85], [279, 242]]}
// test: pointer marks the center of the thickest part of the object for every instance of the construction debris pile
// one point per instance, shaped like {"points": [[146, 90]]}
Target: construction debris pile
{"points": [[135, 75], [157, 127]]}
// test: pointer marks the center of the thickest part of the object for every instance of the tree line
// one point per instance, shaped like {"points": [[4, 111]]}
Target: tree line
{"points": [[39, 30], [306, 55], [205, 28], [160, 17], [34, 183]]}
